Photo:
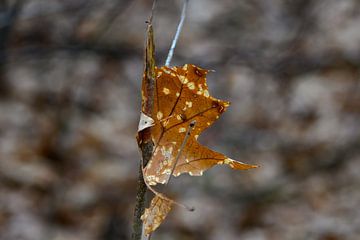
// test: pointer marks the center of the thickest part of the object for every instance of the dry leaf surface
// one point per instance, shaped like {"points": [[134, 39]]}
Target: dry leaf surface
{"points": [[181, 99], [153, 216]]}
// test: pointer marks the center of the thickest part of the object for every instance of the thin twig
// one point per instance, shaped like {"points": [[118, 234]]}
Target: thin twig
{"points": [[187, 135], [152, 11], [144, 137], [177, 34]]}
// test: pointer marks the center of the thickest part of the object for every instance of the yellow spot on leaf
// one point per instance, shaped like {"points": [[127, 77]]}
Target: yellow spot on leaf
{"points": [[188, 104], [159, 115], [156, 213], [206, 93], [166, 91], [191, 85], [182, 129], [166, 71], [165, 123], [151, 180], [227, 161], [183, 79]]}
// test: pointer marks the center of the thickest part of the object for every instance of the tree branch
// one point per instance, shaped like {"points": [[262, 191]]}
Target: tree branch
{"points": [[144, 137]]}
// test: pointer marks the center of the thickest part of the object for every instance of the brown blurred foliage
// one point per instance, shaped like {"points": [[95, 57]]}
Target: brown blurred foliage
{"points": [[70, 74]]}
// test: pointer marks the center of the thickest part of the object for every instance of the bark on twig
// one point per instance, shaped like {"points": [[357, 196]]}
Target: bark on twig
{"points": [[144, 136]]}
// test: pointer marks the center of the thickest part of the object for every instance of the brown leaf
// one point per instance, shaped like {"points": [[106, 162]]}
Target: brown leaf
{"points": [[153, 216], [182, 98]]}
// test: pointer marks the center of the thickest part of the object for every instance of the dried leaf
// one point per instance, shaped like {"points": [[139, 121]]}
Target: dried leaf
{"points": [[181, 98], [153, 216], [149, 74]]}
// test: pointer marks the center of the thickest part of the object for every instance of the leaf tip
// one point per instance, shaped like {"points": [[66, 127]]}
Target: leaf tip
{"points": [[238, 165]]}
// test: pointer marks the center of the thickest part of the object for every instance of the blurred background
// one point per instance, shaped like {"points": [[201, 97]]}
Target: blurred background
{"points": [[70, 73]]}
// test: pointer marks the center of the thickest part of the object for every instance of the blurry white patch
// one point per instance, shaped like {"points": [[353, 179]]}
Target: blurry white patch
{"points": [[167, 171], [145, 122], [166, 71], [151, 180], [182, 129], [166, 152]]}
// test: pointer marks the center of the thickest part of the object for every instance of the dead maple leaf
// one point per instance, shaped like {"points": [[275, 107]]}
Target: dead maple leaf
{"points": [[183, 108], [176, 108]]}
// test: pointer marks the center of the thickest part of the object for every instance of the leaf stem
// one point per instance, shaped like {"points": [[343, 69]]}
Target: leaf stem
{"points": [[177, 34], [187, 135]]}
